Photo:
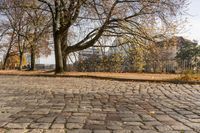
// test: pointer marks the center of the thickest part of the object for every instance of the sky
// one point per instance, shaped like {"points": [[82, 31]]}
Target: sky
{"points": [[191, 30]]}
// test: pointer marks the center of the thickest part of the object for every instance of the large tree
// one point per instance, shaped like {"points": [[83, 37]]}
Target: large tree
{"points": [[93, 19], [79, 24]]}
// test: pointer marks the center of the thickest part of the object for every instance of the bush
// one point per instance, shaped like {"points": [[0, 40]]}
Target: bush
{"points": [[190, 75]]}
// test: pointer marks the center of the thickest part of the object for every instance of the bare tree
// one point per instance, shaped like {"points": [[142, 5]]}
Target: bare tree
{"points": [[9, 48], [90, 21], [17, 21], [7, 39], [29, 26], [101, 18], [39, 34]]}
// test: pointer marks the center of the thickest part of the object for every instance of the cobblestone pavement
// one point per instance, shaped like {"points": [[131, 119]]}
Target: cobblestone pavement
{"points": [[78, 105]]}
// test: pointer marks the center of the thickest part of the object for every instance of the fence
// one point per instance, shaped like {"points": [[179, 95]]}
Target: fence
{"points": [[126, 65]]}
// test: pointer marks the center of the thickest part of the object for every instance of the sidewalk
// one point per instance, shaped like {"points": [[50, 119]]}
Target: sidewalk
{"points": [[84, 105]]}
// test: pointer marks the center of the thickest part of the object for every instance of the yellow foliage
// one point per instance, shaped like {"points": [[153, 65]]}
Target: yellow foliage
{"points": [[13, 61]]}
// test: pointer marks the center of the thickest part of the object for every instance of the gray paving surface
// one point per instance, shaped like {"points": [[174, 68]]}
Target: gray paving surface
{"points": [[78, 105]]}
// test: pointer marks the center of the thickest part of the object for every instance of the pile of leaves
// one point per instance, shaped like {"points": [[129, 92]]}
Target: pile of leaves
{"points": [[190, 76]]}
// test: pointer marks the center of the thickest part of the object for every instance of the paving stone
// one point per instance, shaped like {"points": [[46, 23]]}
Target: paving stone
{"points": [[74, 125], [171, 132], [164, 118], [114, 125], [3, 130], [190, 131], [58, 126], [145, 131], [113, 117], [2, 124], [163, 128], [180, 127], [95, 122], [40, 125], [122, 131], [109, 110], [80, 114], [101, 131], [79, 131], [60, 120], [81, 105], [97, 116], [131, 119], [131, 127], [55, 131], [76, 119], [17, 131], [95, 127], [147, 118], [23, 120], [41, 112], [147, 127], [153, 123], [17, 125], [133, 123], [36, 131], [46, 120]]}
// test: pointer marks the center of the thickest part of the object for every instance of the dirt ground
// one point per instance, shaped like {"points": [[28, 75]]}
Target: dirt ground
{"points": [[129, 76]]}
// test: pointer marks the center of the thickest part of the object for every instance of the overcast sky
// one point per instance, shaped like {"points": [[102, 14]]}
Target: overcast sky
{"points": [[190, 31]]}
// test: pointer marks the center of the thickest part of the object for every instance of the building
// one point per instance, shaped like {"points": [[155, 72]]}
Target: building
{"points": [[89, 52], [169, 49], [173, 45], [118, 47], [163, 60]]}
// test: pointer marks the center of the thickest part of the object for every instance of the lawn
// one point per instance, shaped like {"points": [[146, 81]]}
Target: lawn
{"points": [[122, 76], [117, 76]]}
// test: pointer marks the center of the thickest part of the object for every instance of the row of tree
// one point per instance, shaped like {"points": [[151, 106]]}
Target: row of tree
{"points": [[24, 31], [152, 58], [112, 63], [79, 24]]}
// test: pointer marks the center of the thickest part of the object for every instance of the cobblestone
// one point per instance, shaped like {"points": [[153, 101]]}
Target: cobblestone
{"points": [[78, 105]]}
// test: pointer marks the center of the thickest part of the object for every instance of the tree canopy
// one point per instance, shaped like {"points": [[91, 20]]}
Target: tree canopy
{"points": [[80, 24]]}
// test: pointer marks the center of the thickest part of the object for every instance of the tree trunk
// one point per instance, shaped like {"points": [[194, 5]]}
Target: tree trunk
{"points": [[32, 58], [20, 61], [65, 62], [5, 60], [8, 52], [58, 53]]}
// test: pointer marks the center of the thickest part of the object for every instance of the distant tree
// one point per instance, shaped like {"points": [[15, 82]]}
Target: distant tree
{"points": [[8, 48], [39, 32], [136, 58], [13, 61], [18, 23], [189, 53], [116, 62], [28, 29]]}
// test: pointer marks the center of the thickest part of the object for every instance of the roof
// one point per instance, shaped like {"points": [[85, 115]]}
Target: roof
{"points": [[175, 41]]}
